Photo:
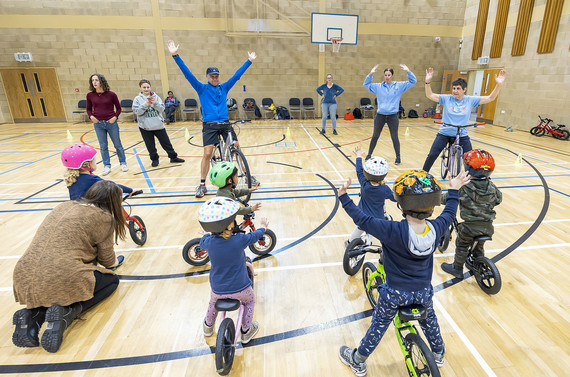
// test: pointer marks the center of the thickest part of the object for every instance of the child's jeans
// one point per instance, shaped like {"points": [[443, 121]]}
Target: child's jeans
{"points": [[246, 297], [387, 307]]}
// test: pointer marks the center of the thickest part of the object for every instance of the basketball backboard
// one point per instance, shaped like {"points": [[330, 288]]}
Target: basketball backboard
{"points": [[325, 26]]}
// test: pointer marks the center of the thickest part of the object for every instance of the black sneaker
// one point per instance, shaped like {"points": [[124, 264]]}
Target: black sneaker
{"points": [[176, 159], [201, 190], [154, 163], [322, 132], [397, 162], [451, 269], [334, 132], [28, 323]]}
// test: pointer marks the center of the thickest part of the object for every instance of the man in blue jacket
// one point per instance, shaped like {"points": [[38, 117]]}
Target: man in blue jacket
{"points": [[213, 97]]}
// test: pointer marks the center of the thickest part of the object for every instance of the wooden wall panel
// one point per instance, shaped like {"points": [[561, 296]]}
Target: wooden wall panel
{"points": [[521, 30], [550, 23], [480, 29], [499, 29]]}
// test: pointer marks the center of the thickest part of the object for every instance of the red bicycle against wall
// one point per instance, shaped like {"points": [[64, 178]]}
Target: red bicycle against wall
{"points": [[545, 126]]}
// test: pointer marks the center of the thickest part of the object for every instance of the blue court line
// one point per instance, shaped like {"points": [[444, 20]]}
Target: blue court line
{"points": [[29, 163], [147, 178], [16, 162], [560, 192], [50, 142], [36, 151]]}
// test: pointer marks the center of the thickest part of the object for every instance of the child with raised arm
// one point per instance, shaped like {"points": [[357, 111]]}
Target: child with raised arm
{"points": [[228, 275], [408, 247], [373, 191], [224, 175], [476, 202]]}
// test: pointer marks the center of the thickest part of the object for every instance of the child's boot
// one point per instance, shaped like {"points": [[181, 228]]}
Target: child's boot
{"points": [[28, 323], [452, 269], [58, 318]]}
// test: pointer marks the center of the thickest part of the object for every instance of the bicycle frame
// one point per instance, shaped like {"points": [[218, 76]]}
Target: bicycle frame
{"points": [[449, 159]]}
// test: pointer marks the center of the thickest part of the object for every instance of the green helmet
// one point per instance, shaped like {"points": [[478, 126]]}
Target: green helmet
{"points": [[221, 172]]}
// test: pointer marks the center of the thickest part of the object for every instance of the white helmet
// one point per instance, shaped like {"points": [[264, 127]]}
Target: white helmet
{"points": [[217, 213], [375, 169]]}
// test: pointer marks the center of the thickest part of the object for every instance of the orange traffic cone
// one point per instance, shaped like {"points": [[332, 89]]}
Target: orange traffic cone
{"points": [[437, 113]]}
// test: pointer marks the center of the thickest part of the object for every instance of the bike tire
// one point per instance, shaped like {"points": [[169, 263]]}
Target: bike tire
{"points": [[444, 162], [534, 130], [564, 135], [540, 132], [269, 239], [457, 161], [244, 175], [487, 275], [138, 233], [421, 357], [225, 349], [352, 265], [372, 293], [425, 114], [445, 239], [193, 253]]}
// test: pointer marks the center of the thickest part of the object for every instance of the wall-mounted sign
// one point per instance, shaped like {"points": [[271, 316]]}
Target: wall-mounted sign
{"points": [[23, 56]]}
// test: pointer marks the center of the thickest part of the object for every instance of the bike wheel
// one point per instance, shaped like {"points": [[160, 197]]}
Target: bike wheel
{"points": [[352, 265], [244, 175], [421, 358], [372, 293], [225, 349], [138, 233], [444, 162], [269, 240], [540, 131], [534, 130], [457, 161], [444, 242], [426, 114], [564, 135], [193, 254], [487, 275]]}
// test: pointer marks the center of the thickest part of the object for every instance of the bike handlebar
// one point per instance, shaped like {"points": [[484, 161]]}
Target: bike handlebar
{"points": [[228, 123], [467, 125], [134, 193], [545, 119]]}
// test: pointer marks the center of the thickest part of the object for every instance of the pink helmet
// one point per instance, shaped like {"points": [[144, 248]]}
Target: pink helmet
{"points": [[75, 155]]}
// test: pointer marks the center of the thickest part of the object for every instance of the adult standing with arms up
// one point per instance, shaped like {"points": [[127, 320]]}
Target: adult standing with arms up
{"points": [[103, 108], [213, 99], [329, 91], [456, 110], [388, 95]]}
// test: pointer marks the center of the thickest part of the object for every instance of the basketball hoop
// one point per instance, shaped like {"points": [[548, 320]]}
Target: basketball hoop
{"points": [[336, 42]]}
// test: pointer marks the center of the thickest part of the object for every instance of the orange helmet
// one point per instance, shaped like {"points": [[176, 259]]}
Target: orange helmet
{"points": [[479, 163]]}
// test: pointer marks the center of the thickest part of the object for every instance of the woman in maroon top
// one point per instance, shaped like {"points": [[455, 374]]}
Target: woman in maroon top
{"points": [[103, 108]]}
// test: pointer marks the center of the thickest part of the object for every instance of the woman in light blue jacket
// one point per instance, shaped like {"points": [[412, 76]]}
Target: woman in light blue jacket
{"points": [[329, 91], [388, 95]]}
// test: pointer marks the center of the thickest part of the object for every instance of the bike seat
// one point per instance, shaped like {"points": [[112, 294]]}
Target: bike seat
{"points": [[412, 312], [482, 238], [227, 305]]}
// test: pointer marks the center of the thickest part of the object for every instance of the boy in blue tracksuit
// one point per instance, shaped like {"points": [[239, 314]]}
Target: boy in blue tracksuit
{"points": [[408, 247], [213, 99]]}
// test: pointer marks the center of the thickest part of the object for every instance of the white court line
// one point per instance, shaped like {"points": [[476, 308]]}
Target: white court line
{"points": [[320, 150], [464, 338]]}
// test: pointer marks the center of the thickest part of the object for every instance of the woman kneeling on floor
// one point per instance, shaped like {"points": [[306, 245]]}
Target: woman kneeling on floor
{"points": [[58, 278]]}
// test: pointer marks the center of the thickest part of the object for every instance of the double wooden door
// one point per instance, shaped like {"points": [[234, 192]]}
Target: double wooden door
{"points": [[33, 95]]}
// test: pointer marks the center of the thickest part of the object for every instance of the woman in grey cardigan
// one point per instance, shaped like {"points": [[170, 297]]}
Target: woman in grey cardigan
{"points": [[149, 109]]}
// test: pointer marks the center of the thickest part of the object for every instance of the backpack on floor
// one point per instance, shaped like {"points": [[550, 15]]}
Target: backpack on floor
{"points": [[412, 114], [357, 113], [283, 113]]}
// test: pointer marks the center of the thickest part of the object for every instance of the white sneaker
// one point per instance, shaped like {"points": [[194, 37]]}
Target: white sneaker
{"points": [[106, 170], [208, 330], [124, 167], [253, 329]]}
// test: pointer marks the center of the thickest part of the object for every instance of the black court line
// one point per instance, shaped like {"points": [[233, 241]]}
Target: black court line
{"points": [[521, 239], [161, 168], [273, 253], [250, 146], [337, 147], [177, 355], [58, 181], [280, 163]]}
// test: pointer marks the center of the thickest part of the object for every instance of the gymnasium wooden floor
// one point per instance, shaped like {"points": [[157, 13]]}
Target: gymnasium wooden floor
{"points": [[307, 306]]}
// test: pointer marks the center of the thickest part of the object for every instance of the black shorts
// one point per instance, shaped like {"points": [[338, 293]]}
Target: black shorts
{"points": [[211, 130]]}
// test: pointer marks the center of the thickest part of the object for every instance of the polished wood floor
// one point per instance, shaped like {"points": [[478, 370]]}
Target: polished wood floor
{"points": [[307, 306]]}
